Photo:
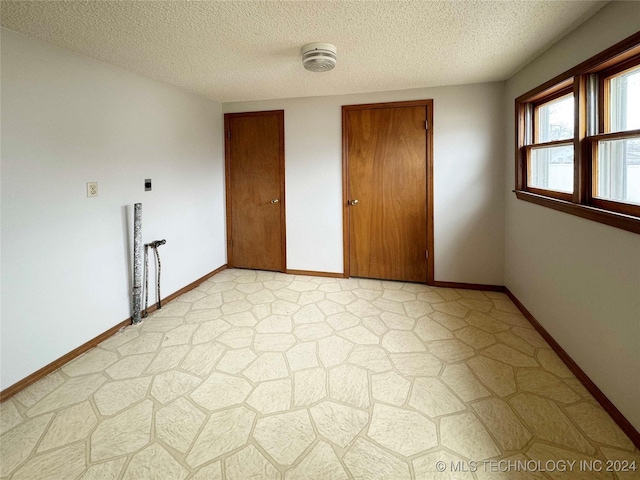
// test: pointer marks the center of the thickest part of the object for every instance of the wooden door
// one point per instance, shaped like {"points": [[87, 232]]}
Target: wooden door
{"points": [[386, 158], [254, 151]]}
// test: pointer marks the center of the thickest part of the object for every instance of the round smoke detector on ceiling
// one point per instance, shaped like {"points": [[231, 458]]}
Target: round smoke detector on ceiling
{"points": [[319, 57]]}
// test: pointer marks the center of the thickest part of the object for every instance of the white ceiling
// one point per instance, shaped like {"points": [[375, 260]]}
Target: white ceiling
{"points": [[232, 51]]}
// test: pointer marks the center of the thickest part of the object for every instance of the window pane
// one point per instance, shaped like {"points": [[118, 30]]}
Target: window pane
{"points": [[555, 120], [619, 170], [551, 168], [624, 98]]}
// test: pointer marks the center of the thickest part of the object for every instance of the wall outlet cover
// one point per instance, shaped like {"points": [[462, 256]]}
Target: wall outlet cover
{"points": [[92, 189]]}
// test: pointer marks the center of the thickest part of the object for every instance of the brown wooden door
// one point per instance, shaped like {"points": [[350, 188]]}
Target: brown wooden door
{"points": [[254, 151], [387, 179]]}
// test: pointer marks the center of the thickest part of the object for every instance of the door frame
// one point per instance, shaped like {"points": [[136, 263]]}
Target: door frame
{"points": [[227, 172], [345, 178]]}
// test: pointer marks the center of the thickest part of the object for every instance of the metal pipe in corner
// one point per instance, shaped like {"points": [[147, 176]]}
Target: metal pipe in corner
{"points": [[137, 262]]}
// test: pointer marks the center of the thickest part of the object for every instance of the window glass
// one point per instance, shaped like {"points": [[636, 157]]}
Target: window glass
{"points": [[551, 168], [624, 99], [554, 120], [618, 174]]}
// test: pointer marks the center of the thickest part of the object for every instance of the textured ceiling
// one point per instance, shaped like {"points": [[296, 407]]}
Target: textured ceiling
{"points": [[231, 51]]}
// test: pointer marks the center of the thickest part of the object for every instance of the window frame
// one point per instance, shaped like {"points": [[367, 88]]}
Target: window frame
{"points": [[588, 82]]}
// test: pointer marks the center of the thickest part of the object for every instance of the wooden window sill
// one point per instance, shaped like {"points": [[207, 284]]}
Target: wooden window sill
{"points": [[617, 220]]}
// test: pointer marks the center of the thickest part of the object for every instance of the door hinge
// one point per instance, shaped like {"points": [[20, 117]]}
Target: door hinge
{"points": [[426, 124], [426, 254], [228, 133]]}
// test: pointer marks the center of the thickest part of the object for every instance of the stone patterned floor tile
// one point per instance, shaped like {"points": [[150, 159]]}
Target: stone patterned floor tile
{"points": [[320, 464], [73, 391], [249, 463], [502, 423], [202, 358], [333, 350], [475, 443], [359, 335], [397, 322], [429, 330], [130, 367], [431, 397], [268, 366], [271, 397], [123, 433], [220, 391], [475, 337], [237, 337], [496, 376], [172, 384], [312, 331], [552, 363], [398, 341], [547, 385], [370, 357], [349, 384], [37, 391], [374, 325], [70, 425], [310, 386], [425, 467], [623, 456], [365, 461], [213, 471], [263, 375], [285, 436], [599, 426], [209, 331], [402, 431], [547, 421], [113, 397], [93, 361], [275, 324], [545, 453], [154, 463], [17, 444], [168, 358], [177, 424], [145, 343], [416, 364], [390, 388], [273, 342], [223, 432], [451, 350], [459, 378], [343, 320], [508, 355], [338, 423], [67, 462], [105, 471], [515, 342], [234, 361], [9, 416], [302, 355]]}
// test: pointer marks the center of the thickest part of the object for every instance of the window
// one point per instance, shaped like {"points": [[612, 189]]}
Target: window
{"points": [[578, 139]]}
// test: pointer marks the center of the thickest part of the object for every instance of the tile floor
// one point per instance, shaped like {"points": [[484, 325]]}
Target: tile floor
{"points": [[260, 375]]}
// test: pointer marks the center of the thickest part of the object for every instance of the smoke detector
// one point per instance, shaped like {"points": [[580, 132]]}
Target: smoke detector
{"points": [[319, 57]]}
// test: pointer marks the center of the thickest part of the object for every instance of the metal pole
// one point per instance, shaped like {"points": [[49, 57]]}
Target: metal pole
{"points": [[137, 261]]}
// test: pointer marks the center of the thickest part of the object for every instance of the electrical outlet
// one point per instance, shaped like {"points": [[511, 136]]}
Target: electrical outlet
{"points": [[147, 185], [92, 189]]}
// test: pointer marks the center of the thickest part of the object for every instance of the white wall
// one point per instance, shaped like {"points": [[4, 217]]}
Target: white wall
{"points": [[468, 178], [67, 120], [579, 278]]}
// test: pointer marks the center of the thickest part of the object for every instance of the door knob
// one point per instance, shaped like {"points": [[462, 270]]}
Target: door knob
{"points": [[275, 200], [354, 202]]}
